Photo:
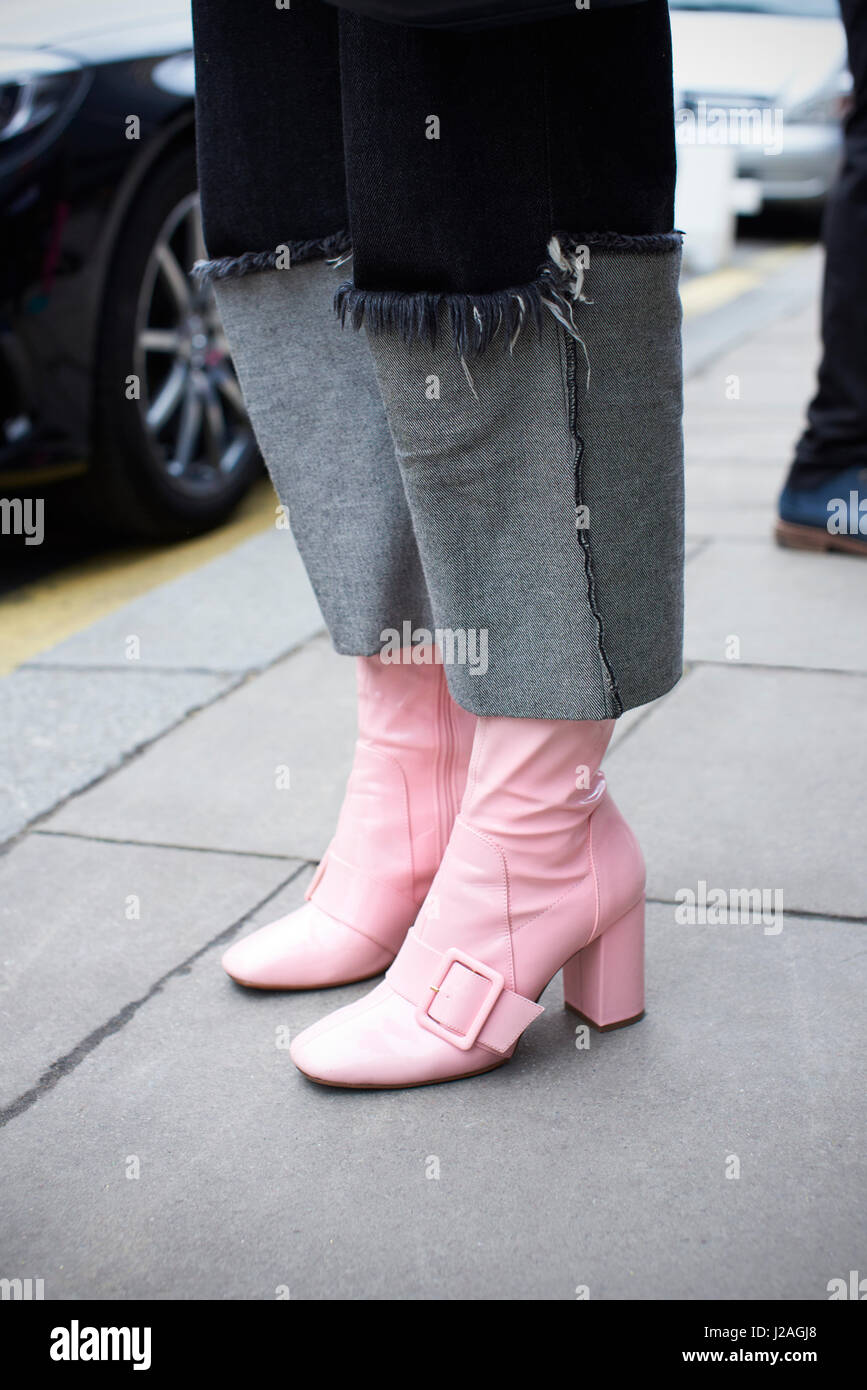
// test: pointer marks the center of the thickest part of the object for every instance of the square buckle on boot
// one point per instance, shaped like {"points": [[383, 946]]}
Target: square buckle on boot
{"points": [[466, 1038]]}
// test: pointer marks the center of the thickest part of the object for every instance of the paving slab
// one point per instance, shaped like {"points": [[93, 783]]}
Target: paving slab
{"points": [[731, 439], [251, 1180], [61, 729], [87, 929], [729, 485], [237, 613], [766, 388], [798, 331], [791, 340], [771, 377], [226, 768], [784, 295], [786, 607], [748, 524], [749, 778]]}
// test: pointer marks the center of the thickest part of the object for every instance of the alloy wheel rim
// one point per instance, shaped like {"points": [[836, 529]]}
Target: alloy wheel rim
{"points": [[190, 399]]}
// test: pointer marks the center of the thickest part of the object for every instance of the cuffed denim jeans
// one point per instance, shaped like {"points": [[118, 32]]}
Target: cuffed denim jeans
{"points": [[485, 446], [836, 435]]}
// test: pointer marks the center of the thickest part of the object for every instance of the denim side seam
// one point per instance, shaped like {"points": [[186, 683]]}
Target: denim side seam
{"points": [[614, 701]]}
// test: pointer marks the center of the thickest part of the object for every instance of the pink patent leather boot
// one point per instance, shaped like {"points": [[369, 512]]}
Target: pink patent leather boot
{"points": [[541, 873], [404, 790]]}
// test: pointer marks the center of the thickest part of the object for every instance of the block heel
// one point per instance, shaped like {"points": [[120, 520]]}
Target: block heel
{"points": [[604, 983]]}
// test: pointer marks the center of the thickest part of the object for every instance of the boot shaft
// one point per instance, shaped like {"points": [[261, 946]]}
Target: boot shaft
{"points": [[409, 770], [538, 837]]}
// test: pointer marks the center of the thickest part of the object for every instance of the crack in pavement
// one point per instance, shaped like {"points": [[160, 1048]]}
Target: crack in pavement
{"points": [[63, 1066], [139, 750], [180, 849]]}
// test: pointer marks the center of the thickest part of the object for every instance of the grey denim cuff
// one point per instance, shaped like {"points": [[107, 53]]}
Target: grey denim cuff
{"points": [[547, 492], [474, 322], [525, 504], [312, 397]]}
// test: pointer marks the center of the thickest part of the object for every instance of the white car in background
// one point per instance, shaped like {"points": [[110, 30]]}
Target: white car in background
{"points": [[771, 78]]}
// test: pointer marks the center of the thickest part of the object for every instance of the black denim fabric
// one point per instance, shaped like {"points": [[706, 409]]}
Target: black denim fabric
{"points": [[468, 14], [269, 136], [836, 435], [313, 122]]}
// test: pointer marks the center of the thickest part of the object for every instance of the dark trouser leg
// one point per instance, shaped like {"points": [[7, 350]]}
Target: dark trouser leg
{"points": [[273, 195], [836, 434]]}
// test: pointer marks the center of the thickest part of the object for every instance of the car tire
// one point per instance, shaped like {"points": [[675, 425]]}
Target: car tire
{"points": [[173, 451]]}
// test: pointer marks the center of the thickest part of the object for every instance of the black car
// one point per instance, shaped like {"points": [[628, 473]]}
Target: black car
{"points": [[113, 364]]}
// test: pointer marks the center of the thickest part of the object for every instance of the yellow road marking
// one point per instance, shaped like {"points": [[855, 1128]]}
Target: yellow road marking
{"points": [[23, 477], [718, 287], [40, 614]]}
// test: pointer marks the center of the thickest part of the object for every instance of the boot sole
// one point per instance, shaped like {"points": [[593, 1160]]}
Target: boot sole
{"points": [[402, 1085], [605, 1027], [302, 989], [794, 537]]}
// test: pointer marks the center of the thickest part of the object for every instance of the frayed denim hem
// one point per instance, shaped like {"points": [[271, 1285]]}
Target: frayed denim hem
{"points": [[336, 248], [476, 320]]}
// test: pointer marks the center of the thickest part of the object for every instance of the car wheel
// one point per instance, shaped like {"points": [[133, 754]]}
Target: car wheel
{"points": [[173, 449]]}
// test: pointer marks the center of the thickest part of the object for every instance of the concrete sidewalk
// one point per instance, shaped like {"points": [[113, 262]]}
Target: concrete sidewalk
{"points": [[157, 1141]]}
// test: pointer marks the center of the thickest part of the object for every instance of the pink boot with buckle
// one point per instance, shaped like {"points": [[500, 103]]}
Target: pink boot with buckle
{"points": [[404, 790], [541, 873]]}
